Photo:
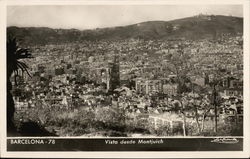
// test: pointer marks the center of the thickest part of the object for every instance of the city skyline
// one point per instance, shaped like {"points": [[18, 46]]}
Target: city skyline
{"points": [[102, 16]]}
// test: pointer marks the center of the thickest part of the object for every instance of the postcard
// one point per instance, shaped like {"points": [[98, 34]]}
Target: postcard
{"points": [[150, 79]]}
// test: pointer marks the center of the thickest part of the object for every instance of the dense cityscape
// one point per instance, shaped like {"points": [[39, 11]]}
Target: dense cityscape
{"points": [[135, 87]]}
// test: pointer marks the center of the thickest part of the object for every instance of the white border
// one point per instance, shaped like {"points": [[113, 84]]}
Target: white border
{"points": [[158, 154]]}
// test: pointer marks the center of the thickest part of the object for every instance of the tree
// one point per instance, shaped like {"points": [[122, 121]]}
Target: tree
{"points": [[179, 64], [215, 101], [180, 105], [182, 65], [199, 102], [207, 102], [14, 55]]}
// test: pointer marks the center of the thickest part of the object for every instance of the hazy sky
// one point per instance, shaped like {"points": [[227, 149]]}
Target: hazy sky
{"points": [[94, 16]]}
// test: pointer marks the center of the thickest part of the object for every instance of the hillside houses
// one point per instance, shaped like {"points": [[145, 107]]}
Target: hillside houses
{"points": [[133, 75]]}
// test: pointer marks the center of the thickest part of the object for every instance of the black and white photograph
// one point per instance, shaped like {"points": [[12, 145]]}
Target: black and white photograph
{"points": [[125, 77]]}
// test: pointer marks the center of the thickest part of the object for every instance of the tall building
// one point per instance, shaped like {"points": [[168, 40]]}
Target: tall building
{"points": [[145, 86]]}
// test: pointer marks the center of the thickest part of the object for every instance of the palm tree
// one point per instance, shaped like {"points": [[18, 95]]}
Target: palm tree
{"points": [[14, 54]]}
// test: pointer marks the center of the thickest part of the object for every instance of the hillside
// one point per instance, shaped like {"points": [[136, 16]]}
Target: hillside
{"points": [[197, 27]]}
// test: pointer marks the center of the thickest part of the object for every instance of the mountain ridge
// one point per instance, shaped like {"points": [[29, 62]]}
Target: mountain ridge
{"points": [[196, 27]]}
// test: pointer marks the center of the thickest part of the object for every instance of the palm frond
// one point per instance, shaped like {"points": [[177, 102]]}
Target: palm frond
{"points": [[23, 53], [23, 67], [14, 54]]}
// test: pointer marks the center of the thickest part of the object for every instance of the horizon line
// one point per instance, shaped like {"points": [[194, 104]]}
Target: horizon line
{"points": [[58, 28]]}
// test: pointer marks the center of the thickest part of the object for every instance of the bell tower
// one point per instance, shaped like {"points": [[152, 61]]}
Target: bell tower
{"points": [[114, 74]]}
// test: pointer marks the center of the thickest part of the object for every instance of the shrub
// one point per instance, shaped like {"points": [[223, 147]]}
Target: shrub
{"points": [[191, 129], [164, 130]]}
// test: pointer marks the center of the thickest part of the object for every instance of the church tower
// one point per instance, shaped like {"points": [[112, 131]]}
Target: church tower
{"points": [[114, 73]]}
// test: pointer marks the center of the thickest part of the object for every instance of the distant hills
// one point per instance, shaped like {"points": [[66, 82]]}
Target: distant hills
{"points": [[196, 27]]}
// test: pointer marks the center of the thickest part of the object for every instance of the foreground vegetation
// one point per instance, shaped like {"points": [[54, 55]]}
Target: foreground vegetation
{"points": [[108, 121]]}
